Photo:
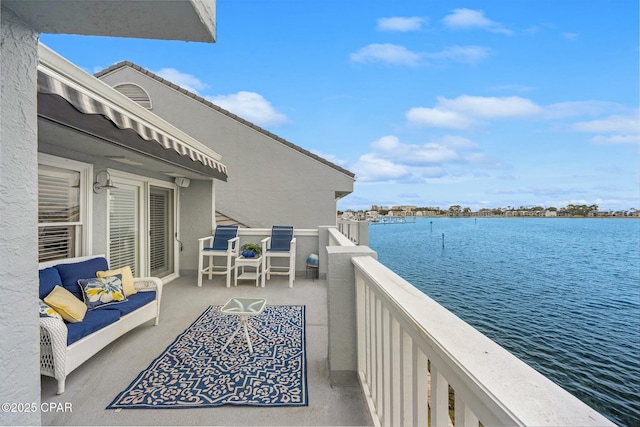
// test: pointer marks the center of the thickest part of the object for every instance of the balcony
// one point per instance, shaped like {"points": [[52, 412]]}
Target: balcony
{"points": [[92, 386], [379, 353]]}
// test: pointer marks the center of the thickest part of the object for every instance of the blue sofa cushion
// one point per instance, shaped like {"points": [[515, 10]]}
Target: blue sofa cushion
{"points": [[71, 273], [133, 302], [49, 278], [93, 320]]}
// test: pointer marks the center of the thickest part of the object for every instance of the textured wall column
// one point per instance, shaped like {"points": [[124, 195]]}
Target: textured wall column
{"points": [[19, 324], [323, 242], [341, 300], [196, 218], [363, 233]]}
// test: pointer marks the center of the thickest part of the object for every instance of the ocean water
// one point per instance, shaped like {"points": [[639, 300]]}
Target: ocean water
{"points": [[561, 294]]}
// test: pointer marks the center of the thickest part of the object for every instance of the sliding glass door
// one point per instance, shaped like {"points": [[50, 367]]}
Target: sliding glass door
{"points": [[125, 227], [161, 231], [142, 227]]}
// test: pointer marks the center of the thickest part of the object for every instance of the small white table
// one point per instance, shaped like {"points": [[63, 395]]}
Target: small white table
{"points": [[256, 274], [243, 308]]}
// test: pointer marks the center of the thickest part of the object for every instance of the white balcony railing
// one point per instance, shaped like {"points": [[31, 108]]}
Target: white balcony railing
{"points": [[412, 353], [355, 231]]}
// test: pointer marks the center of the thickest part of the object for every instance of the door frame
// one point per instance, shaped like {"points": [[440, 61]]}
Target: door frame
{"points": [[145, 183]]}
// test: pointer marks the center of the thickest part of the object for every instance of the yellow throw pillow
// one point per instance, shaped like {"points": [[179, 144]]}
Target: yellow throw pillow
{"points": [[66, 304], [127, 279]]}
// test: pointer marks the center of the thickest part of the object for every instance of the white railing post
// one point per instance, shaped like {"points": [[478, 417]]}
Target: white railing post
{"points": [[386, 367], [406, 359], [439, 398], [378, 357], [367, 319], [396, 373], [361, 326], [372, 344], [463, 415], [419, 387]]}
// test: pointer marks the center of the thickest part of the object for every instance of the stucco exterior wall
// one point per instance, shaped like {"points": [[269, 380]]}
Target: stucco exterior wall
{"points": [[269, 182], [196, 218], [19, 324]]}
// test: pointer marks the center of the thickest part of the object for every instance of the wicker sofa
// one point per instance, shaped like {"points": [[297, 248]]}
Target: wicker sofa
{"points": [[63, 345]]}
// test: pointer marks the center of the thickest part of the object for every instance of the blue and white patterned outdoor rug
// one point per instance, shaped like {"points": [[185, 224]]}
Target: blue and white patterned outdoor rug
{"points": [[194, 373]]}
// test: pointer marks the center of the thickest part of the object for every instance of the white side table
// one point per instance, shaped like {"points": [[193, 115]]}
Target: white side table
{"points": [[256, 274], [243, 308]]}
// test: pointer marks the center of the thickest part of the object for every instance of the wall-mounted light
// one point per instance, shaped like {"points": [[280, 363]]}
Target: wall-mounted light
{"points": [[98, 187]]}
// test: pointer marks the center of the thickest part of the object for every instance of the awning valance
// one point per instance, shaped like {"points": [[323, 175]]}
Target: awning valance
{"points": [[86, 103]]}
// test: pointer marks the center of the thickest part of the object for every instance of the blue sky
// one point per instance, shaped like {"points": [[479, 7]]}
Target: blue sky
{"points": [[429, 103]]}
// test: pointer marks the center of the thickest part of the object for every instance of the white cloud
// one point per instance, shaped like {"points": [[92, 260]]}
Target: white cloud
{"points": [[570, 36], [513, 88], [438, 118], [490, 107], [467, 18], [390, 160], [620, 129], [476, 158], [386, 52], [186, 81], [622, 124], [430, 153], [580, 108], [371, 168], [400, 55], [405, 24], [330, 157], [457, 141], [464, 19], [386, 143], [617, 139], [465, 111], [391, 148], [467, 54], [250, 106]]}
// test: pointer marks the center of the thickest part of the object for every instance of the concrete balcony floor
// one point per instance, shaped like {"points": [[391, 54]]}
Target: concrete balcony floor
{"points": [[92, 386]]}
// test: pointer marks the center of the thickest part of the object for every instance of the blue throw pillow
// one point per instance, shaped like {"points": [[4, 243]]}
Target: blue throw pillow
{"points": [[71, 273], [101, 291], [49, 279]]}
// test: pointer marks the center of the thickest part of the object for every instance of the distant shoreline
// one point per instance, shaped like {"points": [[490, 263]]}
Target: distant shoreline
{"points": [[530, 217]]}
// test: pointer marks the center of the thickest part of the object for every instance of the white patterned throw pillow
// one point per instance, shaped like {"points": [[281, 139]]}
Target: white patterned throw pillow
{"points": [[47, 311], [101, 291]]}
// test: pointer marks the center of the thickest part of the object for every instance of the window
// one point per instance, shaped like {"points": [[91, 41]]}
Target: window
{"points": [[161, 231], [135, 93], [61, 208]]}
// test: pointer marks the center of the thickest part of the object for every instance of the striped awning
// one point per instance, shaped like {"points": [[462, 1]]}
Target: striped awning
{"points": [[88, 104]]}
